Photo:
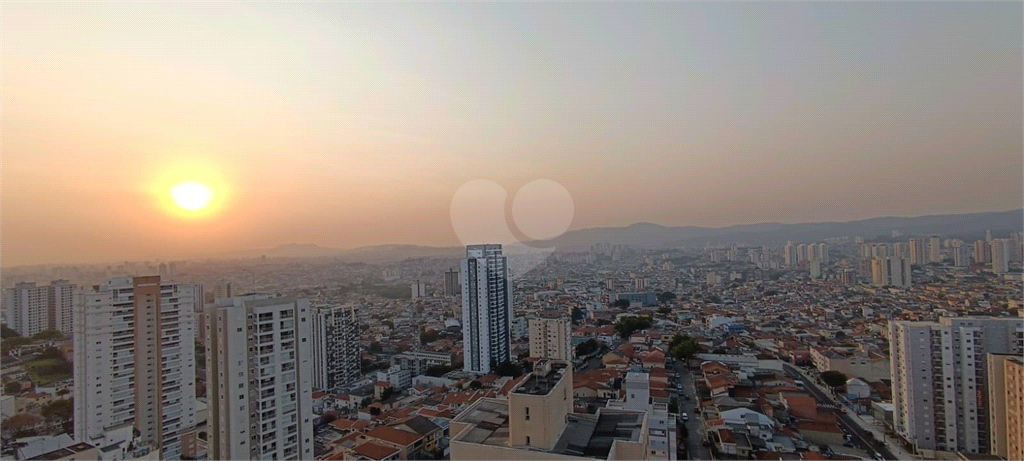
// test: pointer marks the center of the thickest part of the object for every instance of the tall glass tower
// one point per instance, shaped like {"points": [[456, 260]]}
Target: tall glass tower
{"points": [[486, 308]]}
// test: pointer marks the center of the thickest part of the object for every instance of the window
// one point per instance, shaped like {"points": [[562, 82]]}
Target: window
{"points": [[527, 440]]}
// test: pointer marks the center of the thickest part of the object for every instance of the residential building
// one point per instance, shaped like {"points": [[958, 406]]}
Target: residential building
{"points": [[982, 252], [1000, 251], [486, 308], [934, 249], [30, 309], [417, 362], [870, 366], [134, 365], [259, 378], [537, 422], [551, 338], [1006, 401], [890, 272], [939, 379], [451, 283], [918, 253], [960, 257], [336, 350], [419, 289]]}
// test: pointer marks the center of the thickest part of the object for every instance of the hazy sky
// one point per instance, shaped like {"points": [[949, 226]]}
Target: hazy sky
{"points": [[352, 124]]}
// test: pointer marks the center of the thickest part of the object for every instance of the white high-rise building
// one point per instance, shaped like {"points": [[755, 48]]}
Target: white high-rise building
{"points": [[551, 338], [934, 249], [419, 289], [260, 379], [890, 272], [486, 308], [918, 251], [960, 256], [1000, 256], [335, 346], [899, 250], [939, 378], [789, 254], [134, 365], [30, 309]]}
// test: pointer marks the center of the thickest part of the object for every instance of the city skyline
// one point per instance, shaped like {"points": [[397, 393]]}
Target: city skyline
{"points": [[351, 125]]}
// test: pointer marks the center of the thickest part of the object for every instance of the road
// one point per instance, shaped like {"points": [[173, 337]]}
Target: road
{"points": [[860, 434], [694, 449]]}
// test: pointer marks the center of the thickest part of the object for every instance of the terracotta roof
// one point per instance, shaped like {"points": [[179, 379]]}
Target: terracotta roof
{"points": [[395, 436], [374, 450], [318, 394], [349, 424]]}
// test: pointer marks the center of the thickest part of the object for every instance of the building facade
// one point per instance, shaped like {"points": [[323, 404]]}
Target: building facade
{"points": [[486, 308], [551, 338], [893, 272], [30, 309], [336, 351], [451, 283], [940, 381], [134, 364], [259, 378]]}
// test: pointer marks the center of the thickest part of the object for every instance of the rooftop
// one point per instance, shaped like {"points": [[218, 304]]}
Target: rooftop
{"points": [[592, 435], [586, 435], [541, 384]]}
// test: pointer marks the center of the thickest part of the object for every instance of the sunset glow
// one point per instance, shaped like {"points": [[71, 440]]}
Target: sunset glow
{"points": [[191, 195]]}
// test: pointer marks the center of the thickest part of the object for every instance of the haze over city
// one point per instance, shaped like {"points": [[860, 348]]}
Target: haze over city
{"points": [[348, 124]]}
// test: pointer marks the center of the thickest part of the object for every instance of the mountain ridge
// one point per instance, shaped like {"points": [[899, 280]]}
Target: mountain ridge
{"points": [[653, 235]]}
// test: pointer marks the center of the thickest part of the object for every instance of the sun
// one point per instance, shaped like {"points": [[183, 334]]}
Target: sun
{"points": [[191, 195]]}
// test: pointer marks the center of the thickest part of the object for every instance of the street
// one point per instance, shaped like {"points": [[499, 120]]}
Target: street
{"points": [[694, 448], [860, 434]]}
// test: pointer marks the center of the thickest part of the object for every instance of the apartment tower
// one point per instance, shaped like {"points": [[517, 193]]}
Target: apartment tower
{"points": [[551, 338], [134, 364], [335, 346], [940, 381], [486, 308], [260, 379]]}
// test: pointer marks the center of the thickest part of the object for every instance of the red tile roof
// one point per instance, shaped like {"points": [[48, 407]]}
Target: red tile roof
{"points": [[374, 450], [395, 436]]}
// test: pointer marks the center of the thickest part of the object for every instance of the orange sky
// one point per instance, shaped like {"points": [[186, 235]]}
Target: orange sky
{"points": [[349, 124]]}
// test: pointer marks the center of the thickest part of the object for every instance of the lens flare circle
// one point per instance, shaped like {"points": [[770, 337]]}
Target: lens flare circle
{"points": [[191, 195]]}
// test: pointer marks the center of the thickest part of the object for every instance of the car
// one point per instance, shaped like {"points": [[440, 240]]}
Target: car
{"points": [[879, 456], [848, 444], [684, 416], [842, 410]]}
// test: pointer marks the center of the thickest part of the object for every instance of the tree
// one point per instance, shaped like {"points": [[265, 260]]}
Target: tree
{"points": [[629, 325], [429, 336], [328, 417], [666, 296], [586, 348], [12, 388], [48, 335], [387, 393], [6, 332], [833, 379], [58, 410], [578, 315], [508, 369], [620, 303], [376, 348], [375, 411], [664, 310], [683, 347], [22, 424], [474, 384]]}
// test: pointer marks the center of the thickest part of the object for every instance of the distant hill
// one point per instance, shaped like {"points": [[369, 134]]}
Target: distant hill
{"points": [[649, 235]]}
